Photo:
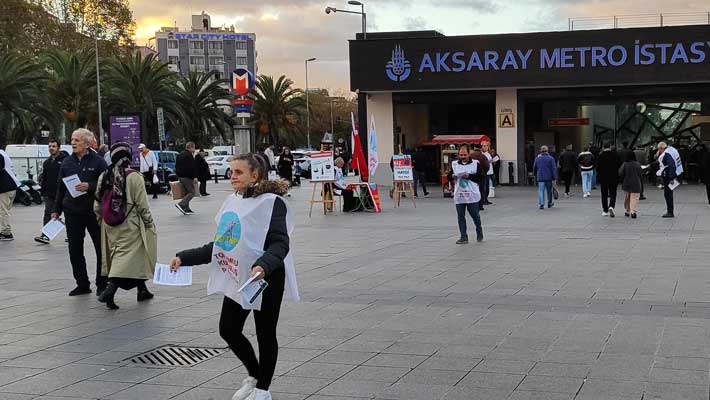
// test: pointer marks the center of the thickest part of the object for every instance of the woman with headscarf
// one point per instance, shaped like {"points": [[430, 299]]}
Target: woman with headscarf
{"points": [[128, 238]]}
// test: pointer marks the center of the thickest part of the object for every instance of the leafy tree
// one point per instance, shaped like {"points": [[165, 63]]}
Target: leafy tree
{"points": [[137, 84], [24, 105], [277, 108], [72, 85], [203, 99]]}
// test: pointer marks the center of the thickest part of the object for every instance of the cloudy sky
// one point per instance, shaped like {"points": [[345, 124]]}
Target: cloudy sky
{"points": [[289, 31]]}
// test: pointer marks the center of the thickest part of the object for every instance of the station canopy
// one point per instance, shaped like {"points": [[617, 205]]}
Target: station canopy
{"points": [[439, 140]]}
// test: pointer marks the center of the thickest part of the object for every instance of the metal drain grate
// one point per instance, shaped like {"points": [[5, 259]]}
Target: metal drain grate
{"points": [[176, 356]]}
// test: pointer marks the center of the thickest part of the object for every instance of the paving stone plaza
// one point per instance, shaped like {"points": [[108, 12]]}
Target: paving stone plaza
{"points": [[557, 304]]}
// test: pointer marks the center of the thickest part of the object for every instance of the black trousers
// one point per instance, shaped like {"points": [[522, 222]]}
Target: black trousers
{"points": [[128, 283], [349, 203], [231, 325], [485, 187], [608, 196], [668, 195], [203, 186], [77, 225], [567, 179], [148, 177], [48, 209], [707, 190], [420, 177]]}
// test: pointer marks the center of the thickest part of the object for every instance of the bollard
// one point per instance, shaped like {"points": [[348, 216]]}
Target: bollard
{"points": [[216, 177], [511, 173]]}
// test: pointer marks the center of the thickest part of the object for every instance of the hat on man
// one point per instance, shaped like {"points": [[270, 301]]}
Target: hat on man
{"points": [[141, 146]]}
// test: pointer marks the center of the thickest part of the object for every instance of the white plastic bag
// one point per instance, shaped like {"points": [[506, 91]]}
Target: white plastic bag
{"points": [[155, 179]]}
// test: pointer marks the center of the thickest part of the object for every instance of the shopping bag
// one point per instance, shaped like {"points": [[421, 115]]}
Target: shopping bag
{"points": [[155, 179], [176, 190]]}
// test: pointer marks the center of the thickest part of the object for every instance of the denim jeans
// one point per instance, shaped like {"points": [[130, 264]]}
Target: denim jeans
{"points": [[473, 210], [587, 181], [543, 187]]}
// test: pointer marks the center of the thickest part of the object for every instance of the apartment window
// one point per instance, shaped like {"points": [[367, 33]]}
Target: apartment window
{"points": [[197, 60], [241, 45], [173, 60], [197, 44], [241, 61], [172, 44], [216, 60], [216, 45]]}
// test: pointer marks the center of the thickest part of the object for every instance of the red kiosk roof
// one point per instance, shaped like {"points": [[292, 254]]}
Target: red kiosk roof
{"points": [[456, 139]]}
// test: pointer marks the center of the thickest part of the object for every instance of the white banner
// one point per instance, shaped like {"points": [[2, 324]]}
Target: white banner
{"points": [[372, 148]]}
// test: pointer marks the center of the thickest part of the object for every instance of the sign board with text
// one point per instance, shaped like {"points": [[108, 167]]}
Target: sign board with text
{"points": [[322, 167], [402, 166], [126, 128]]}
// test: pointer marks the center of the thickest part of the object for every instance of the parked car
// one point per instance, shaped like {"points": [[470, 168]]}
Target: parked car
{"points": [[166, 158], [221, 165], [225, 150]]}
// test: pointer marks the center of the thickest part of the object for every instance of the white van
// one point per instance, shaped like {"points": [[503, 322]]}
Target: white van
{"points": [[27, 159]]}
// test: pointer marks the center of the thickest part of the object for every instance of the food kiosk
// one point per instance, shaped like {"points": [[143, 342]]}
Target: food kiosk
{"points": [[446, 148]]}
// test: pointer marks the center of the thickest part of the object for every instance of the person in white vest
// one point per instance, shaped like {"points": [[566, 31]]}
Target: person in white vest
{"points": [[487, 185], [466, 192], [671, 167], [8, 187], [252, 241]]}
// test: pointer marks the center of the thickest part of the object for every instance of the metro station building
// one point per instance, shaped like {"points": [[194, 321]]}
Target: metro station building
{"points": [[636, 85]]}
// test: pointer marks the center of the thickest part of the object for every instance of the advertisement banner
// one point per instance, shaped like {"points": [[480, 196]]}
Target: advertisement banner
{"points": [[402, 165], [126, 128], [372, 148], [322, 167]]}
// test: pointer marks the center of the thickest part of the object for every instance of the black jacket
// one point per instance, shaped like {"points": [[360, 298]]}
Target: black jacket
{"points": [[88, 168], [185, 165], [631, 174], [608, 165], [7, 184], [49, 178], [568, 161], [419, 159], [203, 170], [276, 246]]}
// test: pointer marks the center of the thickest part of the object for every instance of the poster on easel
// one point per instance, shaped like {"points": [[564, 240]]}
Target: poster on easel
{"points": [[402, 166], [322, 167]]}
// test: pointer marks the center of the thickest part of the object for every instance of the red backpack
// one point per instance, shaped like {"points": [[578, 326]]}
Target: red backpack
{"points": [[112, 212]]}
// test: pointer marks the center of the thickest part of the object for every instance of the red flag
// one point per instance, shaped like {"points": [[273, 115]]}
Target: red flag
{"points": [[358, 161]]}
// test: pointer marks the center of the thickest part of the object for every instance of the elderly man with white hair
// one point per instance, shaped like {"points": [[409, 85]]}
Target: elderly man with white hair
{"points": [[77, 205], [671, 167]]}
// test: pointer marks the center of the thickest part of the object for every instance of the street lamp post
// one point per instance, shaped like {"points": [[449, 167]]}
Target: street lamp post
{"points": [[98, 83], [362, 13], [308, 114], [332, 129]]}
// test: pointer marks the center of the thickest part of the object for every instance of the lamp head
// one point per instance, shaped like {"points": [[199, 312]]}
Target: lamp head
{"points": [[354, 3], [329, 10], [311, 59]]}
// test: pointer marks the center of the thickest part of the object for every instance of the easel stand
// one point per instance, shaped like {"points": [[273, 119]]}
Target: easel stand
{"points": [[402, 187], [327, 196]]}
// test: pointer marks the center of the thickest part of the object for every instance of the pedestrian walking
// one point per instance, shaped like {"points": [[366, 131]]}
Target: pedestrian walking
{"points": [[186, 171], [631, 175], [269, 151], [148, 168], [128, 239], [203, 171], [79, 211], [488, 183], [419, 164], [484, 165], [48, 180], [285, 165], [468, 176], [253, 227], [594, 149], [670, 170], [545, 170], [568, 167], [8, 187], [608, 176], [586, 163], [624, 151], [705, 170], [496, 166]]}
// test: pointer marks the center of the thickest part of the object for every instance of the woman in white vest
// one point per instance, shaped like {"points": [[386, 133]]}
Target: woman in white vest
{"points": [[252, 239], [465, 171]]}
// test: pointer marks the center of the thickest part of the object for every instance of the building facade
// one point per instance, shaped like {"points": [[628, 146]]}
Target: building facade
{"points": [[205, 48], [636, 85]]}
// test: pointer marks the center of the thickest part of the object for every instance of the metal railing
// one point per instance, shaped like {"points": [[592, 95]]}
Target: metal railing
{"points": [[197, 68], [215, 51], [197, 52], [639, 20]]}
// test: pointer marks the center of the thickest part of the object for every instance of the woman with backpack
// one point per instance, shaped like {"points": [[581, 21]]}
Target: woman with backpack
{"points": [[128, 239], [251, 243]]}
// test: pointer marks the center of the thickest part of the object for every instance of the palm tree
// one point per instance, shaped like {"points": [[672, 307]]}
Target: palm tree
{"points": [[203, 99], [24, 106], [72, 85], [141, 85], [277, 107]]}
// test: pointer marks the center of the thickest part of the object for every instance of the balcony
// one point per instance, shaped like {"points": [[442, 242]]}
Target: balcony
{"points": [[219, 68], [197, 68], [216, 51], [197, 52]]}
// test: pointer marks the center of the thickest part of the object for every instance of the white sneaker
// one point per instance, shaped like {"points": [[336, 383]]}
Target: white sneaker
{"points": [[605, 214], [611, 212], [259, 394], [247, 390]]}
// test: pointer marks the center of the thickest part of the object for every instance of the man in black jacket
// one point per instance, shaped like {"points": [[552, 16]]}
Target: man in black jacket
{"points": [[608, 176], [186, 171], [79, 211], [568, 167], [419, 161], [203, 171], [48, 180]]}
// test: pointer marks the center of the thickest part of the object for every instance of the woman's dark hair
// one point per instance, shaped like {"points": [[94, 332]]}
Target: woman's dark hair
{"points": [[256, 162], [630, 156]]}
